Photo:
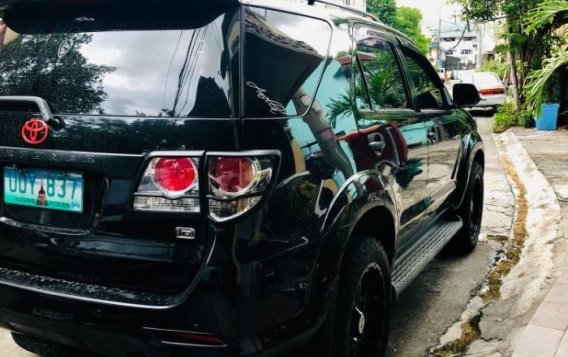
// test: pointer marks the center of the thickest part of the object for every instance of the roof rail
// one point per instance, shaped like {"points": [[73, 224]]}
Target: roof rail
{"points": [[347, 8]]}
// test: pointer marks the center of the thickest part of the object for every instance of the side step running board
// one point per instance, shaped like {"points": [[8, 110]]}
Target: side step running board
{"points": [[408, 266]]}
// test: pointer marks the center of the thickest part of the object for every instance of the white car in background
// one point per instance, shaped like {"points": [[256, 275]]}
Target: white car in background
{"points": [[490, 88]]}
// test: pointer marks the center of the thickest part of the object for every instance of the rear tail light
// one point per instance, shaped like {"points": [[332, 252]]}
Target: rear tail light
{"points": [[237, 183], [492, 91], [169, 184]]}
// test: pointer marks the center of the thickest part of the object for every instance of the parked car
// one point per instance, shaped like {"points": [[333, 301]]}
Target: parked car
{"points": [[215, 178], [490, 88]]}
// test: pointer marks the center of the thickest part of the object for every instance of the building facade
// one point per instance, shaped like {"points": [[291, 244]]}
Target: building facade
{"points": [[457, 46]]}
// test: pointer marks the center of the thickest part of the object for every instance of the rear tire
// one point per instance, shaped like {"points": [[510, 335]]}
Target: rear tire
{"points": [[364, 301], [471, 213]]}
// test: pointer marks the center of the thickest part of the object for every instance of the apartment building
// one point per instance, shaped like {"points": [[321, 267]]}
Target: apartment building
{"points": [[460, 46]]}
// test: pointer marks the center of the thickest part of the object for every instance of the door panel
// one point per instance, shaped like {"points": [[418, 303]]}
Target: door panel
{"points": [[403, 162], [394, 135], [444, 139], [442, 126]]}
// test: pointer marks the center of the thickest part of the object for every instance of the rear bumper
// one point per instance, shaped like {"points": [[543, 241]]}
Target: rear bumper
{"points": [[492, 100], [247, 316], [112, 331]]}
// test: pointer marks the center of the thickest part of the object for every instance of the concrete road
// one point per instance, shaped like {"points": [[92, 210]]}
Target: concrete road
{"points": [[9, 349], [437, 298]]}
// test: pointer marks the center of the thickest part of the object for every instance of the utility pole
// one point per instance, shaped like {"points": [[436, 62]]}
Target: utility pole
{"points": [[480, 34], [439, 59]]}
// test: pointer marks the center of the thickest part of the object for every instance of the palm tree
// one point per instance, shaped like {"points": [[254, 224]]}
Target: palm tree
{"points": [[548, 12]]}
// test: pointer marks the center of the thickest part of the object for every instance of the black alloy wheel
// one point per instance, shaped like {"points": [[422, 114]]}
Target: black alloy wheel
{"points": [[471, 213], [364, 301]]}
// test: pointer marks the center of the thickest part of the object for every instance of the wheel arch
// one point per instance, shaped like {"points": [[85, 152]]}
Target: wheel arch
{"points": [[474, 151], [378, 223]]}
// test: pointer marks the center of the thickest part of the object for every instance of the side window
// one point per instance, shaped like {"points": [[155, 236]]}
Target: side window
{"points": [[381, 71], [427, 86], [284, 59]]}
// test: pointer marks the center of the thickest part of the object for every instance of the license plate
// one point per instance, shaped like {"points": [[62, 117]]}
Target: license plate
{"points": [[40, 188]]}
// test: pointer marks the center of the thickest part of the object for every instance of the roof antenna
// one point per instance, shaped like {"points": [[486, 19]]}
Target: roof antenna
{"points": [[311, 2]]}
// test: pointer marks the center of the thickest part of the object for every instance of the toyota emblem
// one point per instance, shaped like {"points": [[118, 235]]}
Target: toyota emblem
{"points": [[35, 131]]}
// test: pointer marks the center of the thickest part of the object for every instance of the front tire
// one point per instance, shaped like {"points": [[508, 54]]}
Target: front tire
{"points": [[471, 213], [364, 301]]}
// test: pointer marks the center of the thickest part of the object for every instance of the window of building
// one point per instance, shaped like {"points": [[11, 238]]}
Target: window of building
{"points": [[467, 51]]}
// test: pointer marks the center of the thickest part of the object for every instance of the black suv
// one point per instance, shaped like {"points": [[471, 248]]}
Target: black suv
{"points": [[221, 178]]}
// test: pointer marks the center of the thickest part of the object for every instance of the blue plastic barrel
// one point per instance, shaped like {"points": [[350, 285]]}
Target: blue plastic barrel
{"points": [[548, 117]]}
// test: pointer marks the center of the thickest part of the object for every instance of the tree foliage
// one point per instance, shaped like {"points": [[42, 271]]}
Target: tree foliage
{"points": [[385, 10], [30, 64], [549, 13], [408, 21], [525, 49]]}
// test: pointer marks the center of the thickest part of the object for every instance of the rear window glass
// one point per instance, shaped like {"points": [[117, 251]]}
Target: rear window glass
{"points": [[284, 60], [486, 77], [140, 66]]}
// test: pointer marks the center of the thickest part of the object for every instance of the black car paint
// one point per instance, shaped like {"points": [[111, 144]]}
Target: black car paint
{"points": [[263, 282]]}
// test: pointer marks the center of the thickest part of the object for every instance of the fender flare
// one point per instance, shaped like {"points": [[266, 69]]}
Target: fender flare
{"points": [[472, 147]]}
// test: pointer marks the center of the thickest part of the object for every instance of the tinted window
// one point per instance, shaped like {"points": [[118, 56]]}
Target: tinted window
{"points": [[428, 88], [284, 59], [166, 65], [382, 73]]}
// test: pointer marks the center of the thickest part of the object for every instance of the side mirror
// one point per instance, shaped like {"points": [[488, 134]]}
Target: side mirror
{"points": [[465, 95]]}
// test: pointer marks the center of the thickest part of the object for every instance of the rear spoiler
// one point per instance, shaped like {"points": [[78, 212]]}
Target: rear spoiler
{"points": [[41, 4], [164, 14], [7, 4]]}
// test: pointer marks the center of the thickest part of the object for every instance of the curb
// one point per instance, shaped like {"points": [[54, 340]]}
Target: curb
{"points": [[545, 334]]}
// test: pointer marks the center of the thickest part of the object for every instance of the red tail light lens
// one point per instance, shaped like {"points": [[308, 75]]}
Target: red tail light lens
{"points": [[238, 183], [233, 175], [175, 174], [492, 91], [169, 184]]}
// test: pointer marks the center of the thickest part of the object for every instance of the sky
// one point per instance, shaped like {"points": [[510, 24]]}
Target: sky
{"points": [[431, 10]]}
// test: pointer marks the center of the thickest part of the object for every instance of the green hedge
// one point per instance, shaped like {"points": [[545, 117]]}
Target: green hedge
{"points": [[506, 118]]}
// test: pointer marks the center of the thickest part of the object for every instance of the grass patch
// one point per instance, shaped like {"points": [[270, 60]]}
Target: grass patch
{"points": [[506, 118]]}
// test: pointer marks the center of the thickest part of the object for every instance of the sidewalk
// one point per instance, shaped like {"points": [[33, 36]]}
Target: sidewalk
{"points": [[547, 333]]}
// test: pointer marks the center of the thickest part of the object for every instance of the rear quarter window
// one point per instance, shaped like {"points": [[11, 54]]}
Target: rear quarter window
{"points": [[284, 60]]}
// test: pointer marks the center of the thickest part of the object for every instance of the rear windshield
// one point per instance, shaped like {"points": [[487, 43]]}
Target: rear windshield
{"points": [[100, 64], [486, 77]]}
